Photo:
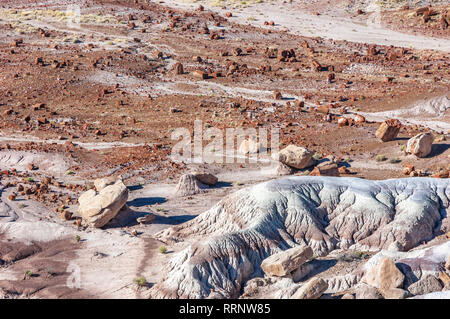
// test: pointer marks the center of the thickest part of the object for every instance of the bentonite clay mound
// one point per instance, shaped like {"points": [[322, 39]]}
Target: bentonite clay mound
{"points": [[323, 212]]}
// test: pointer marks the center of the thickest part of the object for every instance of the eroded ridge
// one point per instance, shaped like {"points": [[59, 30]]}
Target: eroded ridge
{"points": [[325, 213]]}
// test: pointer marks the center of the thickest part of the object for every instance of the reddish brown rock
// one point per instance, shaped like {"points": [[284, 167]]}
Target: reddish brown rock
{"points": [[342, 122], [359, 119], [178, 68], [408, 169], [277, 95], [372, 50], [325, 109], [316, 65], [325, 169], [200, 74], [388, 130]]}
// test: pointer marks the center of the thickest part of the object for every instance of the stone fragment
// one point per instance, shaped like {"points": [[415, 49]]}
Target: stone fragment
{"points": [[101, 183], [206, 178], [295, 156], [364, 291], [425, 285], [384, 276], [325, 169], [394, 293], [420, 145], [189, 185], [178, 68], [388, 130], [313, 289], [285, 262]]}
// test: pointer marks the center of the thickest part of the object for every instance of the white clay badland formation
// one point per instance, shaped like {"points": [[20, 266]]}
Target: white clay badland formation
{"points": [[302, 237]]}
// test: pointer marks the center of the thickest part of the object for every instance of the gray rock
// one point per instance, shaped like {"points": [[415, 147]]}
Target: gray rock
{"points": [[364, 291], [395, 293], [301, 272], [189, 185], [313, 289], [283, 263], [425, 285]]}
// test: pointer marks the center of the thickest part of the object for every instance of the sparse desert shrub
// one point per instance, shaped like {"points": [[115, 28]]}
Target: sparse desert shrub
{"points": [[162, 249], [317, 156], [380, 158], [140, 281]]}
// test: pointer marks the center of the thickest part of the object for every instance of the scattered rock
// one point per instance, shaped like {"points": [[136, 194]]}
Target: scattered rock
{"points": [[277, 95], [384, 276], [325, 169], [408, 169], [359, 119], [283, 169], [297, 157], [200, 74], [146, 219], [251, 146], [97, 209], [313, 289], [342, 122], [394, 293], [388, 130], [445, 279], [420, 145], [425, 285], [285, 262], [66, 215], [178, 68], [206, 178], [348, 296], [364, 291], [301, 272]]}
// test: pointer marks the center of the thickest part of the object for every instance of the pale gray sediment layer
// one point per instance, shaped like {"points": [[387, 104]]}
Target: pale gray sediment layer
{"points": [[325, 213]]}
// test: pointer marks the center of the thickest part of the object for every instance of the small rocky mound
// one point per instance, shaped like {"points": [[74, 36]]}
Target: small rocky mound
{"points": [[189, 185]]}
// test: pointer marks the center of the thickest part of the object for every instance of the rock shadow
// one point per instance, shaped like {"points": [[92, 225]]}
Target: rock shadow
{"points": [[146, 201], [173, 220], [438, 149]]}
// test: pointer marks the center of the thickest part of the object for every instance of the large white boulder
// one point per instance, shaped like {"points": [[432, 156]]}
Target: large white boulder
{"points": [[97, 209], [420, 145], [295, 156]]}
